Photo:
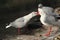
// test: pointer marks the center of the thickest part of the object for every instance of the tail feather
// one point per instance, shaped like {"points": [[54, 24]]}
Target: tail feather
{"points": [[8, 26]]}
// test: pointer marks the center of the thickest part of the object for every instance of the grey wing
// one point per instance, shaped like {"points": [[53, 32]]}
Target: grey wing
{"points": [[55, 15], [20, 19], [19, 22], [53, 21], [50, 20]]}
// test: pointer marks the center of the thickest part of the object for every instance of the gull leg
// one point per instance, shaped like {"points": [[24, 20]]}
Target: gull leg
{"points": [[49, 32], [18, 31]]}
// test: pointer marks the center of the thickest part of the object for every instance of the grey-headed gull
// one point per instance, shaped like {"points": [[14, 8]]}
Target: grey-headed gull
{"points": [[48, 18], [22, 21]]}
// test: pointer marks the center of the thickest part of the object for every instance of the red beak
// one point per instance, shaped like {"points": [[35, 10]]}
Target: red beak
{"points": [[38, 13]]}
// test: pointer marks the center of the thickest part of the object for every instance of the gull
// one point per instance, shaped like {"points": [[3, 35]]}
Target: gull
{"points": [[48, 18], [22, 21]]}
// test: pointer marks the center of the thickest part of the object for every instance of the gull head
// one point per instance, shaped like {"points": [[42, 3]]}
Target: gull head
{"points": [[40, 5]]}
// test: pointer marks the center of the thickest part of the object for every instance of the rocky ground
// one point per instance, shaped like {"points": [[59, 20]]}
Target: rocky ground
{"points": [[35, 36]]}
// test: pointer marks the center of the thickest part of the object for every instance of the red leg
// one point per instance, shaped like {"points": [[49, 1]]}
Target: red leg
{"points": [[18, 31], [49, 32]]}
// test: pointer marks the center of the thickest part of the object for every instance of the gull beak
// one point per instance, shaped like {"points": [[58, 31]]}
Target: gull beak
{"points": [[38, 14]]}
